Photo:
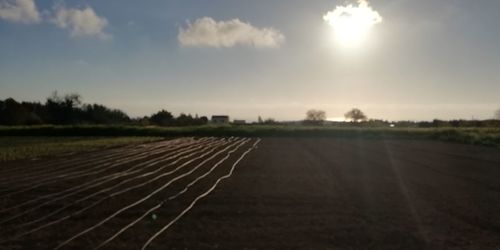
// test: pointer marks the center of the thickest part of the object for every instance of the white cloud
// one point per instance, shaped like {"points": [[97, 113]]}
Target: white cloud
{"points": [[352, 23], [22, 11], [363, 14], [81, 22], [206, 32]]}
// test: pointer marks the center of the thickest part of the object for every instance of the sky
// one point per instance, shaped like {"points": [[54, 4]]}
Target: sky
{"points": [[420, 60]]}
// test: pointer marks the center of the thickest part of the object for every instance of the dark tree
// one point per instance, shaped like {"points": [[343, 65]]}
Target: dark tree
{"points": [[162, 118], [35, 113], [185, 120], [99, 114], [63, 109], [203, 120], [270, 121], [12, 113], [355, 115], [497, 115], [314, 116]]}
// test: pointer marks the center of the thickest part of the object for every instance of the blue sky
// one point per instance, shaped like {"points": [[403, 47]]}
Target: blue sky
{"points": [[425, 60]]}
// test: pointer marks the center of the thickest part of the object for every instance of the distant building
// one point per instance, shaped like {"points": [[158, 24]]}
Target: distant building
{"points": [[240, 122], [220, 119]]}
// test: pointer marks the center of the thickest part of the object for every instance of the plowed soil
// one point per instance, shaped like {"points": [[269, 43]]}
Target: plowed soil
{"points": [[285, 193]]}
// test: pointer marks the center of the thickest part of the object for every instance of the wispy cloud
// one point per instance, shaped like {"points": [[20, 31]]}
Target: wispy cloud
{"points": [[81, 22], [206, 32], [21, 11]]}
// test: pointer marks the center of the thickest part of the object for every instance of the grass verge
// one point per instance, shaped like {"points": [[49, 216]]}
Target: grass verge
{"points": [[25, 147], [474, 136]]}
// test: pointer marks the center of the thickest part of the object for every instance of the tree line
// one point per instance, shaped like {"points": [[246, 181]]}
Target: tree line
{"points": [[70, 110], [358, 118], [316, 117]]}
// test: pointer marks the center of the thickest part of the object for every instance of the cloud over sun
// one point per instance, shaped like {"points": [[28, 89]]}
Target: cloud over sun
{"points": [[352, 23]]}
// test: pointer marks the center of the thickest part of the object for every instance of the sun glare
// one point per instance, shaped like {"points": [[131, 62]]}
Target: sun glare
{"points": [[351, 23]]}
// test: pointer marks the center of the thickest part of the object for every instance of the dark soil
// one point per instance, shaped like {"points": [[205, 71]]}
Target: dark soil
{"points": [[288, 193]]}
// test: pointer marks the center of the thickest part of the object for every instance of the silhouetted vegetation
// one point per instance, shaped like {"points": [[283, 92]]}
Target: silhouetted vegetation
{"points": [[99, 114], [187, 120], [162, 118], [314, 116], [456, 124], [355, 115], [70, 110], [270, 121], [165, 118], [58, 110], [267, 121]]}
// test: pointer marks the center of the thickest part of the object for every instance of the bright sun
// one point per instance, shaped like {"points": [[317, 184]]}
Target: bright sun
{"points": [[352, 23]]}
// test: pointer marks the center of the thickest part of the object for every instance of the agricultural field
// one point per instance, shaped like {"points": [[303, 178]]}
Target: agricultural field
{"points": [[101, 195], [30, 147], [253, 193], [485, 136]]}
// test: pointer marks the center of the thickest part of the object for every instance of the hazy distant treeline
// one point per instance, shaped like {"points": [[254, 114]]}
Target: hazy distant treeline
{"points": [[422, 124], [451, 123], [69, 110]]}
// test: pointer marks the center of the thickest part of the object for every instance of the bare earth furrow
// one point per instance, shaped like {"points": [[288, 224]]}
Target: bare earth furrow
{"points": [[116, 159], [148, 163], [192, 183], [193, 203], [65, 162], [16, 168], [281, 192], [191, 158], [239, 143], [98, 169], [121, 183]]}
